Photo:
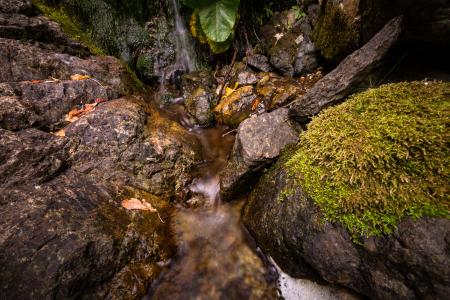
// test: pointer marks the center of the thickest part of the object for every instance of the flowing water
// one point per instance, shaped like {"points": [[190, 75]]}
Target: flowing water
{"points": [[184, 46], [213, 246]]}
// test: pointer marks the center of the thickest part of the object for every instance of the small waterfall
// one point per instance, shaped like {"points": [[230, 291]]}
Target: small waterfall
{"points": [[185, 54]]}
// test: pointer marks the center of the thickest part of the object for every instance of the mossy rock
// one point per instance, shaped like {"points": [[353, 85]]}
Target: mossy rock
{"points": [[379, 157], [336, 34]]}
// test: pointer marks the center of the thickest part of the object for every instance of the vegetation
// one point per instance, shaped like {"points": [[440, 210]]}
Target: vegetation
{"points": [[69, 25], [336, 34], [381, 156], [214, 22]]}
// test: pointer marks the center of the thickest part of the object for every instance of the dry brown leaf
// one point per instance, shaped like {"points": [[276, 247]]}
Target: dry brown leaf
{"points": [[134, 203], [60, 133], [79, 77], [75, 113], [255, 104]]}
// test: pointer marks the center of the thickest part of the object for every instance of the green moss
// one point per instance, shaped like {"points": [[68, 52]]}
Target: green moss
{"points": [[336, 35], [136, 82], [69, 25], [380, 156]]}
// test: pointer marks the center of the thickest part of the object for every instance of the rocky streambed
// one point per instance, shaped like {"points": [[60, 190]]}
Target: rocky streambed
{"points": [[198, 189]]}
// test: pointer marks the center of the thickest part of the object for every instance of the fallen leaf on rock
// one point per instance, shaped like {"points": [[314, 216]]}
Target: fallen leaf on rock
{"points": [[256, 102], [75, 113], [100, 100], [134, 203], [79, 77], [60, 133]]}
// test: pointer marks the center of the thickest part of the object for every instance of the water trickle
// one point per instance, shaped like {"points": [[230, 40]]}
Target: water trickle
{"points": [[185, 53]]}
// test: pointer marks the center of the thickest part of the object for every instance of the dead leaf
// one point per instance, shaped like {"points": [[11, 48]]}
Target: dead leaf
{"points": [[79, 77], [60, 133], [36, 81], [75, 113], [256, 102], [100, 100], [134, 203]]}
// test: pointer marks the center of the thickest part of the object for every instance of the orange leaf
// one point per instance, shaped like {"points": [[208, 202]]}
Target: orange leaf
{"points": [[134, 203], [75, 114], [255, 103], [60, 133], [79, 77]]}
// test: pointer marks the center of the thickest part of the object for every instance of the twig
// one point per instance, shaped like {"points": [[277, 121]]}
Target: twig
{"points": [[160, 218], [95, 80], [228, 132], [227, 75]]}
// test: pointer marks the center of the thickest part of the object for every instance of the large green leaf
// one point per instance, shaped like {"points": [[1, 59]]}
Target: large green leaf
{"points": [[197, 3], [218, 19]]}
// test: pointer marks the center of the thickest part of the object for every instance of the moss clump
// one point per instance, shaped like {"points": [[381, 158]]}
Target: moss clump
{"points": [[336, 34], [69, 25], [381, 156]]}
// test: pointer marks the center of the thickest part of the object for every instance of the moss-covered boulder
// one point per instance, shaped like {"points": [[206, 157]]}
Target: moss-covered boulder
{"points": [[363, 199]]}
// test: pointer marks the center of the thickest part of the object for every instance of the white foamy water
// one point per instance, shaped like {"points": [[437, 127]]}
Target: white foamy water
{"points": [[207, 186], [185, 49], [304, 289]]}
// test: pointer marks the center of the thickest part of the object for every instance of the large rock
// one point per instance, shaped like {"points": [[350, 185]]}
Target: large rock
{"points": [[49, 102], [38, 28], [64, 234], [26, 61], [411, 263], [339, 83], [126, 142], [215, 261], [286, 40], [14, 115], [16, 6], [259, 141]]}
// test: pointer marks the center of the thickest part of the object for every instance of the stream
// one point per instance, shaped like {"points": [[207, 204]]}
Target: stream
{"points": [[214, 247], [209, 233]]}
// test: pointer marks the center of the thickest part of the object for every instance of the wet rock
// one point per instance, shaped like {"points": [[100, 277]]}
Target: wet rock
{"points": [[193, 80], [336, 33], [199, 104], [246, 78], [237, 106], [214, 261], [282, 39], [68, 238], [410, 263], [26, 61], [126, 142], [305, 60], [259, 141], [46, 154], [41, 29], [339, 83], [312, 12], [259, 61], [16, 7], [51, 101], [14, 115]]}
